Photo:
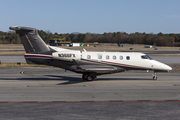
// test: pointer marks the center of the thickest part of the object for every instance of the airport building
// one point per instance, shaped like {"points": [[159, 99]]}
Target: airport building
{"points": [[59, 42]]}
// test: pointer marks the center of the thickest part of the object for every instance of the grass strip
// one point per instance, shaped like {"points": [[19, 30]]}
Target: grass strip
{"points": [[11, 65]]}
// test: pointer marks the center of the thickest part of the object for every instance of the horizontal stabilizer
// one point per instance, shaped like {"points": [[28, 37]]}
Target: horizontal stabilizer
{"points": [[21, 28]]}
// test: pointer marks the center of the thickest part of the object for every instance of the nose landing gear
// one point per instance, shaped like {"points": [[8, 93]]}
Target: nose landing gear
{"points": [[154, 76]]}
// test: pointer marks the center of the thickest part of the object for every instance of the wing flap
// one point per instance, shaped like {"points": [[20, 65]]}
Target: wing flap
{"points": [[100, 70]]}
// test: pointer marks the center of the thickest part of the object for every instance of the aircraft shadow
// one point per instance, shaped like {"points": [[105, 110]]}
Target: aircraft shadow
{"points": [[73, 80], [30, 79], [124, 79], [69, 80]]}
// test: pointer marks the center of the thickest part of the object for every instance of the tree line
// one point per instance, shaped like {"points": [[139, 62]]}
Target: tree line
{"points": [[116, 37]]}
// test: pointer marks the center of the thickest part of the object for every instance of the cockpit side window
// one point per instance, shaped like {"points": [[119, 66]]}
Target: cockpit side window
{"points": [[146, 57]]}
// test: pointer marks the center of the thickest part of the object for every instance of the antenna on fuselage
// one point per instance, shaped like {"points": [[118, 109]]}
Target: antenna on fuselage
{"points": [[84, 50]]}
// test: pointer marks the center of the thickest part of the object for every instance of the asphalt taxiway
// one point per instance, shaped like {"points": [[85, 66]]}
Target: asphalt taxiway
{"points": [[44, 93], [44, 84]]}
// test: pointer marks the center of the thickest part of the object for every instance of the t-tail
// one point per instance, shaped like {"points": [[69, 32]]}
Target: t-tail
{"points": [[31, 40]]}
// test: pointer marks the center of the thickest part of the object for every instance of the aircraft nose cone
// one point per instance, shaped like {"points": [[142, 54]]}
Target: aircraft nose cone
{"points": [[169, 68], [166, 67], [161, 66]]}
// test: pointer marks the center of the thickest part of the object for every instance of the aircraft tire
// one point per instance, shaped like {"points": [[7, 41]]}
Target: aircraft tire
{"points": [[154, 77], [89, 78], [84, 76]]}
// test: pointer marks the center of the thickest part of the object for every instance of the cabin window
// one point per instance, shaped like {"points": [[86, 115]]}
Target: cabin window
{"points": [[114, 57], [127, 57], [107, 57], [88, 57], [99, 56], [121, 57]]}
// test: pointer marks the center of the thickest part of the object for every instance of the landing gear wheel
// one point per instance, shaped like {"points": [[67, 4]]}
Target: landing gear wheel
{"points": [[154, 76], [84, 76], [89, 78]]}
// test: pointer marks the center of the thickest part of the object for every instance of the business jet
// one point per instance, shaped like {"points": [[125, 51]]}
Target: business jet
{"points": [[89, 64]]}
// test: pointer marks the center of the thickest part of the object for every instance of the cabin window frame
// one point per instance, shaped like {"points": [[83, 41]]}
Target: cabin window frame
{"points": [[128, 58], [100, 56], [121, 57], [88, 56], [107, 57], [114, 57]]}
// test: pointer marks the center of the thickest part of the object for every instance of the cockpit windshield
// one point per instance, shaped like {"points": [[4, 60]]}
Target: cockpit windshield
{"points": [[149, 57], [146, 57]]}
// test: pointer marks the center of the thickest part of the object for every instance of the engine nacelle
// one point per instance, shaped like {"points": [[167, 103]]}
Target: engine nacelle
{"points": [[67, 55]]}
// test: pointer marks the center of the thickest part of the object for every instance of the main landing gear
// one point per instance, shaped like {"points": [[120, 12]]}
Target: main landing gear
{"points": [[154, 76], [89, 76]]}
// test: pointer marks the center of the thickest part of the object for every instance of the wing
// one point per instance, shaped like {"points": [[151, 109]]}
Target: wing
{"points": [[99, 69]]}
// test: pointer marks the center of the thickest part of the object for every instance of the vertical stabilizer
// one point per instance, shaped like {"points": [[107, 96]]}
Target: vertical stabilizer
{"points": [[31, 40]]}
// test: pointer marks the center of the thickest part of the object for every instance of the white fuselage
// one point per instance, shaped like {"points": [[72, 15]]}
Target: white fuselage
{"points": [[134, 60], [126, 59]]}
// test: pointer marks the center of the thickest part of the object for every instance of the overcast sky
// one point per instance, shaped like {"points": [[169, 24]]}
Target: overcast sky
{"points": [[95, 16]]}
